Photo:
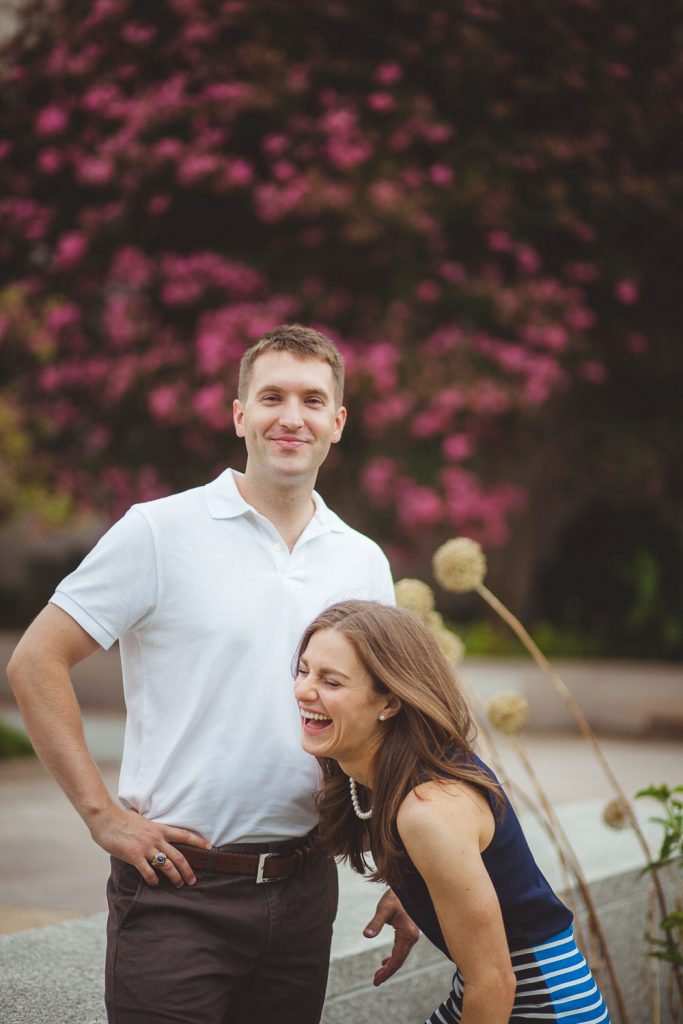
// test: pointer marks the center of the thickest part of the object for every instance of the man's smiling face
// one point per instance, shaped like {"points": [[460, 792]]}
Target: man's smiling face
{"points": [[289, 417]]}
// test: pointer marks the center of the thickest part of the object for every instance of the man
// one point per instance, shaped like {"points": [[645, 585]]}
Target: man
{"points": [[208, 592]]}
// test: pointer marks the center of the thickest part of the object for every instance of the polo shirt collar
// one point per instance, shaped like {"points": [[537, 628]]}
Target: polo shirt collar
{"points": [[224, 501]]}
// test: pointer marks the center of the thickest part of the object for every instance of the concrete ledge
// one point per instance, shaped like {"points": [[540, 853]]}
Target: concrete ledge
{"points": [[55, 974]]}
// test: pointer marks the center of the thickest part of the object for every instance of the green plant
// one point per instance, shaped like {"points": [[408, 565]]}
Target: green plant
{"points": [[13, 742], [670, 948]]}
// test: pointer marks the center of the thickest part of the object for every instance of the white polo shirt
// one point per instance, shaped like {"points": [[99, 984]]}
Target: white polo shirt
{"points": [[209, 604]]}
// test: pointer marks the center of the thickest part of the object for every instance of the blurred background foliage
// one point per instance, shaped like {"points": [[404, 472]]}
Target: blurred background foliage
{"points": [[481, 203]]}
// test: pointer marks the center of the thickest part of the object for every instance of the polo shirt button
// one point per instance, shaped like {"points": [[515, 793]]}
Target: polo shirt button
{"points": [[277, 547]]}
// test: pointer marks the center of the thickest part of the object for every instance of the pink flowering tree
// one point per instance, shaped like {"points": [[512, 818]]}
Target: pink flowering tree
{"points": [[476, 201]]}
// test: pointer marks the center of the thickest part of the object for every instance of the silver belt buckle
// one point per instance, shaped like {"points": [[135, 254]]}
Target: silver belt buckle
{"points": [[262, 857]]}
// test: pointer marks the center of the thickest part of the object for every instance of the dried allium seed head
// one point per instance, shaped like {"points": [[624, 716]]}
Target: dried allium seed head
{"points": [[459, 564], [508, 712], [617, 813], [416, 596], [450, 645]]}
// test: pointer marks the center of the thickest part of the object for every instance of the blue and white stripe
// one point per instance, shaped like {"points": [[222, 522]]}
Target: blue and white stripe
{"points": [[554, 983]]}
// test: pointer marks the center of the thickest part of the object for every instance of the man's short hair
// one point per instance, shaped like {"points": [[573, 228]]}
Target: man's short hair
{"points": [[301, 341]]}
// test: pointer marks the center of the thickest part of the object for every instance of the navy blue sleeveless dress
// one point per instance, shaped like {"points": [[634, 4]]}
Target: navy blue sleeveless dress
{"points": [[554, 982]]}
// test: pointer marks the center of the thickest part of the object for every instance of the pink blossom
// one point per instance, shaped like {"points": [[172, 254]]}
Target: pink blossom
{"points": [[377, 416], [180, 293], [131, 266], [618, 70], [378, 478], [211, 347], [195, 32], [100, 97], [627, 292], [428, 291], [52, 120], [499, 241], [428, 423], [418, 506], [536, 391], [385, 193], [211, 405], [437, 133], [452, 272], [412, 177], [593, 372], [340, 121], [345, 154], [275, 145], [50, 378], [228, 92], [312, 237], [399, 140], [555, 338], [381, 102], [273, 202], [441, 174], [138, 35], [95, 170], [388, 74], [638, 343], [168, 149], [581, 272], [297, 78], [283, 170], [119, 320], [6, 148], [457, 447], [586, 232], [196, 166], [528, 259], [64, 315], [162, 401], [49, 161], [70, 250], [159, 204], [580, 318], [239, 172], [489, 398], [381, 361]]}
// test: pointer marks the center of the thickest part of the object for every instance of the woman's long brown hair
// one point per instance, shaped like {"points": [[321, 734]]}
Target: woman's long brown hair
{"points": [[429, 739]]}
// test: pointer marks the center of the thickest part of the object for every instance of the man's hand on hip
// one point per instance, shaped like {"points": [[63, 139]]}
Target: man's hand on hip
{"points": [[130, 837], [406, 933]]}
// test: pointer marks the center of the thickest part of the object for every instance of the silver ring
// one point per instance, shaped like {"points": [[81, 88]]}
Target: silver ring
{"points": [[158, 860]]}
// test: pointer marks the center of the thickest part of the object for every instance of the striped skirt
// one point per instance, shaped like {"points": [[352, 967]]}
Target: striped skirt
{"points": [[554, 983]]}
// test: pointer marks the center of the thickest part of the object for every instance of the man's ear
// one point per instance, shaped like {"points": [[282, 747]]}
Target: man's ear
{"points": [[339, 421], [238, 417]]}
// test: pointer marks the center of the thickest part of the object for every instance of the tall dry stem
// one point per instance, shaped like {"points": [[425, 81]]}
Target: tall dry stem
{"points": [[588, 734]]}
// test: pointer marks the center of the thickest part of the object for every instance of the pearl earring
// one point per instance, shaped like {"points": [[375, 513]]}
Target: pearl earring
{"points": [[381, 718]]}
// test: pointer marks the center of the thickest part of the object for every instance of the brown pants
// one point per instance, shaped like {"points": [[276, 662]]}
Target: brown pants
{"points": [[223, 951]]}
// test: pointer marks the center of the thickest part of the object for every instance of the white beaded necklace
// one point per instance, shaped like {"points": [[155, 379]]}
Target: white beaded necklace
{"points": [[363, 815]]}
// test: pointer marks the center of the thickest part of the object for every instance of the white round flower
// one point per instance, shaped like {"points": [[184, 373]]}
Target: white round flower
{"points": [[416, 596], [508, 712], [459, 564]]}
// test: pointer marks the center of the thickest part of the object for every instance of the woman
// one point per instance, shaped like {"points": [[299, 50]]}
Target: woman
{"points": [[382, 712]]}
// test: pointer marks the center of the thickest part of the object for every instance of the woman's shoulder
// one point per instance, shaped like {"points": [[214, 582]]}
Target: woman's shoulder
{"points": [[442, 804]]}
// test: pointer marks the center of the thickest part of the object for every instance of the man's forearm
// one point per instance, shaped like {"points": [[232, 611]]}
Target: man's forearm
{"points": [[50, 711]]}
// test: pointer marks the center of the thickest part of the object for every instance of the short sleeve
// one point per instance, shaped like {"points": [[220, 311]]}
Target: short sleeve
{"points": [[114, 589]]}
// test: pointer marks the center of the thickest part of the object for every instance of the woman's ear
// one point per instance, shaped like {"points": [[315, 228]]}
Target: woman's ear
{"points": [[391, 708]]}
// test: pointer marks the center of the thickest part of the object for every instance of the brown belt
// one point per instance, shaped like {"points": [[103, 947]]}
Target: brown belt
{"points": [[264, 867]]}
